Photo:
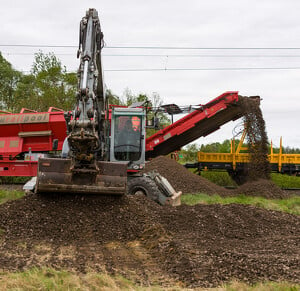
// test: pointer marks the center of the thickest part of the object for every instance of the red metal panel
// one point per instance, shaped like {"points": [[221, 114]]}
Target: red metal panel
{"points": [[11, 146], [13, 124], [18, 168], [25, 131]]}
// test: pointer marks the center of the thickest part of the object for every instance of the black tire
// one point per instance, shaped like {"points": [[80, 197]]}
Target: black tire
{"points": [[143, 185]]}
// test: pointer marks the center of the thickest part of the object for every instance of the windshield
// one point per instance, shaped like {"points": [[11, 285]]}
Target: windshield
{"points": [[127, 138]]}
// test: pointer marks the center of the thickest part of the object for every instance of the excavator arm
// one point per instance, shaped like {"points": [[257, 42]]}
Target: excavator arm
{"points": [[86, 138], [86, 169]]}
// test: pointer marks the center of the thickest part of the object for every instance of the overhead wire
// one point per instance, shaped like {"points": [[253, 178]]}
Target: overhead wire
{"points": [[202, 69], [191, 69], [155, 47], [177, 55], [167, 55]]}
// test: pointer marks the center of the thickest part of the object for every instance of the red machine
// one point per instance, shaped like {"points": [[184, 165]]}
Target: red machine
{"points": [[201, 122], [26, 136]]}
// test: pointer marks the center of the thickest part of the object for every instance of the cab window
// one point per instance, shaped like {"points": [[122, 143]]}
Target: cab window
{"points": [[127, 138]]}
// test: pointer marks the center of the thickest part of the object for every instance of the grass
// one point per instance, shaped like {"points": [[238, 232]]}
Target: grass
{"points": [[6, 195], [50, 279], [222, 178], [270, 286], [290, 205], [285, 181]]}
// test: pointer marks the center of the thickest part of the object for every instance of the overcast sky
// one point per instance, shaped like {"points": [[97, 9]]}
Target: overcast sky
{"points": [[174, 23]]}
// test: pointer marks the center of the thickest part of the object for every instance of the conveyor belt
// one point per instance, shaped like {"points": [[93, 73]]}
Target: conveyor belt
{"points": [[198, 123]]}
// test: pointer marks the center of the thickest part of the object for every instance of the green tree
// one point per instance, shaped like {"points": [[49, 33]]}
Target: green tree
{"points": [[9, 79], [49, 84], [189, 152], [154, 101], [217, 147], [113, 98]]}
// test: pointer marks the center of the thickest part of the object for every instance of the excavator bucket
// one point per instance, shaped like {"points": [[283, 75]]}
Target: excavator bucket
{"points": [[56, 175]]}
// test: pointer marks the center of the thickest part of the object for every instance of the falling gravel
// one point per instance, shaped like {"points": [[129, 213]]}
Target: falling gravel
{"points": [[257, 139]]}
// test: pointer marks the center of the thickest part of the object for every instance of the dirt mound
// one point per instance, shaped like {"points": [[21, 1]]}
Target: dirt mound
{"points": [[263, 188], [200, 245], [69, 219], [213, 243], [181, 178]]}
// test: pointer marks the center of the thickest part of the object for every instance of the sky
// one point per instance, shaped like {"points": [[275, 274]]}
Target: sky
{"points": [[215, 30]]}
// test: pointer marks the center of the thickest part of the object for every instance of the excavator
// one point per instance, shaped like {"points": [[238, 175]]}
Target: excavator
{"points": [[103, 147]]}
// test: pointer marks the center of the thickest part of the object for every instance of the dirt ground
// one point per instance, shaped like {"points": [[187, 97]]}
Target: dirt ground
{"points": [[202, 245]]}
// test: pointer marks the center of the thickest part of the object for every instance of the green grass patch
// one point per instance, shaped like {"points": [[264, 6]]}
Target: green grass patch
{"points": [[222, 178], [290, 205], [285, 181], [14, 180], [50, 279], [6, 195], [270, 286]]}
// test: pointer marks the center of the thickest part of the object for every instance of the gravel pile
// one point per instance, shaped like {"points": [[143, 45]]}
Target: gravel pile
{"points": [[187, 182]]}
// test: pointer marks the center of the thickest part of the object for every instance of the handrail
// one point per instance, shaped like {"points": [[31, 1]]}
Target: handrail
{"points": [[5, 112], [51, 109], [26, 109]]}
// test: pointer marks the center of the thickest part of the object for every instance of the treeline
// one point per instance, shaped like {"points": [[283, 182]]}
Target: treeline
{"points": [[48, 84]]}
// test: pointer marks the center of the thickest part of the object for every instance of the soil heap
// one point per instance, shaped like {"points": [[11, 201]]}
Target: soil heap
{"points": [[201, 245], [187, 182], [182, 179]]}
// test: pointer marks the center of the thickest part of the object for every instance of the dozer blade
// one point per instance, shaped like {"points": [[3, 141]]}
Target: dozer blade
{"points": [[55, 175]]}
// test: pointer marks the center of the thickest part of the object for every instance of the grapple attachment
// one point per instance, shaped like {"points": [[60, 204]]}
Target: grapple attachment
{"points": [[57, 175]]}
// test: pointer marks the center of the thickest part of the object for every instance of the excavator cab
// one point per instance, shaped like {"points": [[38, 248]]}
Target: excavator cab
{"points": [[127, 137]]}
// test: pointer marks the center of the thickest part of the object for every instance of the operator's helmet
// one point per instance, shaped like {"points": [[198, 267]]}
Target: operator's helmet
{"points": [[128, 124]]}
